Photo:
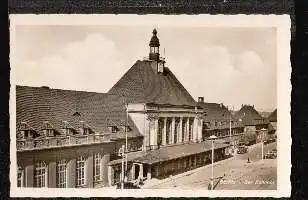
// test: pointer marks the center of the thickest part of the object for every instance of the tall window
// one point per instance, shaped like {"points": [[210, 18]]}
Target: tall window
{"points": [[168, 130], [190, 129], [176, 129], [160, 130], [80, 171], [97, 167], [184, 128], [40, 174], [61, 173], [20, 177]]}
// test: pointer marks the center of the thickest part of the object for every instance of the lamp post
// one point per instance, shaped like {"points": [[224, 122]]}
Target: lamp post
{"points": [[231, 133], [126, 142], [262, 142], [212, 138], [122, 154]]}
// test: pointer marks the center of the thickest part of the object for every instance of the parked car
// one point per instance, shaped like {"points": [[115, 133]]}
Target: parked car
{"points": [[269, 140], [274, 151], [242, 149], [270, 155]]}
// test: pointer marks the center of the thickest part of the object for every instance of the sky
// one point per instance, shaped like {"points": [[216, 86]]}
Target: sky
{"points": [[233, 66]]}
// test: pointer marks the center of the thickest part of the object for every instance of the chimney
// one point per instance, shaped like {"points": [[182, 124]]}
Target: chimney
{"points": [[200, 99]]}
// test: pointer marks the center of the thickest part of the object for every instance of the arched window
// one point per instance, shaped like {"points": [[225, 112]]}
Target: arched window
{"points": [[61, 173], [40, 174], [80, 171]]}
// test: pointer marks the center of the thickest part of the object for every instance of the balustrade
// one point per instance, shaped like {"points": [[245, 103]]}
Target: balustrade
{"points": [[61, 141]]}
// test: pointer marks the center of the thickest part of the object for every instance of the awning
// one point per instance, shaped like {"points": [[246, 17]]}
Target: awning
{"points": [[171, 152]]}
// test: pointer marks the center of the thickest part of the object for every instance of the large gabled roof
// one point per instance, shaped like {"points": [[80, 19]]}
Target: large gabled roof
{"points": [[215, 111], [250, 116], [273, 116], [218, 113], [142, 84], [62, 108]]}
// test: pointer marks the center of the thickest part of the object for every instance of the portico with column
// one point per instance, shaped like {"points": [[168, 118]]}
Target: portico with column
{"points": [[177, 124]]}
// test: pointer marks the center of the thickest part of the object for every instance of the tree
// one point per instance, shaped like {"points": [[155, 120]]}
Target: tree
{"points": [[248, 138]]}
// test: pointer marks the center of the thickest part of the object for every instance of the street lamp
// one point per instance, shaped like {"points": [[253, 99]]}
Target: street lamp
{"points": [[122, 154], [230, 127], [262, 142], [212, 138], [126, 141]]}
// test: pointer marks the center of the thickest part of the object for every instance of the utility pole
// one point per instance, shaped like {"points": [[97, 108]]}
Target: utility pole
{"points": [[212, 180], [262, 144], [122, 153], [212, 138], [126, 142], [230, 126]]}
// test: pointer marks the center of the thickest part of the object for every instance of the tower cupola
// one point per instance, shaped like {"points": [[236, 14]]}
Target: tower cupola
{"points": [[154, 46]]}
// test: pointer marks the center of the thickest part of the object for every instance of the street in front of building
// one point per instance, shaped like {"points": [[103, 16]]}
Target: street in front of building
{"points": [[233, 173]]}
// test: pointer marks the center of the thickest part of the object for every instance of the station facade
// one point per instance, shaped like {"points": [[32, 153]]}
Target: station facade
{"points": [[71, 138]]}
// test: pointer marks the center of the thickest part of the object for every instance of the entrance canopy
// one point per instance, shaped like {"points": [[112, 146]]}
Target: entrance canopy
{"points": [[170, 153]]}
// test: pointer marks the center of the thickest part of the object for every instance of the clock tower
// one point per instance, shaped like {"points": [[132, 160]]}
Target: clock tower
{"points": [[154, 52]]}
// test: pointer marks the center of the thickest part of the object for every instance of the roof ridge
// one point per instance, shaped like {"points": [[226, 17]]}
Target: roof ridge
{"points": [[61, 89], [186, 93]]}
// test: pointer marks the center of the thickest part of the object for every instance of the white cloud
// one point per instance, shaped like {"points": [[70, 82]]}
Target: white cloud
{"points": [[232, 67], [81, 65], [221, 76]]}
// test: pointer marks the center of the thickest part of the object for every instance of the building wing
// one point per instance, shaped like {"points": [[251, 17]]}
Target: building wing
{"points": [[38, 107]]}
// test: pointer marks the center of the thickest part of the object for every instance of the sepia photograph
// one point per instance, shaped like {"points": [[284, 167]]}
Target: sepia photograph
{"points": [[106, 105]]}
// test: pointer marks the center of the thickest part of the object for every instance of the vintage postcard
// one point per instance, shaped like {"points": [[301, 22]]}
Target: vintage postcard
{"points": [[150, 105]]}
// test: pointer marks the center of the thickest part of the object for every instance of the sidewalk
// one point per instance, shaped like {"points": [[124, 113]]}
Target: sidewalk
{"points": [[154, 181]]}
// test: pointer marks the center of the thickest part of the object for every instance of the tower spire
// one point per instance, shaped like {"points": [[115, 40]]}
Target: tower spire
{"points": [[154, 46]]}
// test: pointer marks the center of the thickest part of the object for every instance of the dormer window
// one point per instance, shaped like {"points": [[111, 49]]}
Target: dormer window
{"points": [[113, 129], [87, 131], [127, 128], [76, 114], [48, 129], [67, 131], [50, 132], [27, 132], [160, 67]]}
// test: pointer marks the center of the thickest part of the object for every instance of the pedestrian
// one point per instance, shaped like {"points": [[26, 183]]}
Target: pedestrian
{"points": [[248, 161]]}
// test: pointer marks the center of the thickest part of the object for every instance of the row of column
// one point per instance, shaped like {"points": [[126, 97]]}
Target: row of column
{"points": [[51, 173], [195, 134]]}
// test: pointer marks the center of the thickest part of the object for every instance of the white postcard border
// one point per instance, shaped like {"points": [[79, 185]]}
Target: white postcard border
{"points": [[283, 24]]}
